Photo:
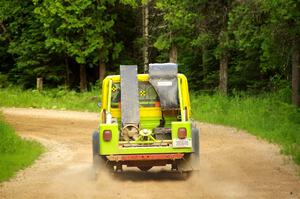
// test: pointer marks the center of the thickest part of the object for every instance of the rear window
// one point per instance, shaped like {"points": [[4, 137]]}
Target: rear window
{"points": [[147, 95]]}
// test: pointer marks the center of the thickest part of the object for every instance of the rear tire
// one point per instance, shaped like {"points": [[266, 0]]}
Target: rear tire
{"points": [[195, 156], [195, 141], [99, 162]]}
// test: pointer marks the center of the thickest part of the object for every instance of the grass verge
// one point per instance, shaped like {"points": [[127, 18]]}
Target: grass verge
{"points": [[61, 99], [15, 152], [266, 116]]}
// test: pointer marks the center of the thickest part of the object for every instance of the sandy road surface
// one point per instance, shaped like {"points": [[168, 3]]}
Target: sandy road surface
{"points": [[233, 165]]}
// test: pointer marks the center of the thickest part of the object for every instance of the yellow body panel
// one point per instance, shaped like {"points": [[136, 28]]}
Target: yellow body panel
{"points": [[144, 111]]}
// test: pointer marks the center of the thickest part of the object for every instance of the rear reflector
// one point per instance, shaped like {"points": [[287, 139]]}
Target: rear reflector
{"points": [[181, 133], [107, 135]]}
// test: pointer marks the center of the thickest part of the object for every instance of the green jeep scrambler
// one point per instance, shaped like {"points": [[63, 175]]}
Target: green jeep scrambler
{"points": [[145, 121]]}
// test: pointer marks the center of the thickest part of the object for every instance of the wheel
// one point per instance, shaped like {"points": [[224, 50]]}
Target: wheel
{"points": [[98, 161], [145, 168], [195, 156], [195, 141]]}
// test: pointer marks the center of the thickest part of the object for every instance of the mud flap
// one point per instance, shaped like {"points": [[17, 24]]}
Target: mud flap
{"points": [[191, 162]]}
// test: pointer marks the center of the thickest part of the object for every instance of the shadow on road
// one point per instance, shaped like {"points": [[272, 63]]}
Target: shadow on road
{"points": [[149, 176]]}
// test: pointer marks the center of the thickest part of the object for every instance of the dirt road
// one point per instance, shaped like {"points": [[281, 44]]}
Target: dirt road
{"points": [[233, 165]]}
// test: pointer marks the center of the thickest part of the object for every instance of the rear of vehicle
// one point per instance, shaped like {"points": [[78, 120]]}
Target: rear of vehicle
{"points": [[145, 121]]}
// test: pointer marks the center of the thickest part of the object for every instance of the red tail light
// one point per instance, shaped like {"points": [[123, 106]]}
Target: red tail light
{"points": [[181, 133], [107, 135]]}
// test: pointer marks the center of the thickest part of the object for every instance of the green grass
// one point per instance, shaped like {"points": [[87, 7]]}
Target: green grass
{"points": [[15, 152], [50, 99], [266, 116]]}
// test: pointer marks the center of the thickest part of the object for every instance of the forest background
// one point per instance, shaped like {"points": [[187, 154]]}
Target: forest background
{"points": [[227, 46]]}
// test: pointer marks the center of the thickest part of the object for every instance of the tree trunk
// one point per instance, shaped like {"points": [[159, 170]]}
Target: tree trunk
{"points": [[39, 83], [67, 78], [4, 30], [295, 75], [173, 54], [223, 74], [83, 83], [204, 64], [146, 36], [102, 70]]}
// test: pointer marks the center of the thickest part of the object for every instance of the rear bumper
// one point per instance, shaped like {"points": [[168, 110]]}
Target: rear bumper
{"points": [[143, 157]]}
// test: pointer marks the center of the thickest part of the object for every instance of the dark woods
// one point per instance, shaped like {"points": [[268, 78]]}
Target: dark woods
{"points": [[229, 46]]}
